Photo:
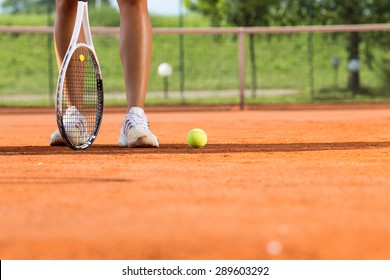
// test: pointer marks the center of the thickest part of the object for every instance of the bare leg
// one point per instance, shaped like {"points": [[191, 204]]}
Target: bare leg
{"points": [[135, 49], [63, 27]]}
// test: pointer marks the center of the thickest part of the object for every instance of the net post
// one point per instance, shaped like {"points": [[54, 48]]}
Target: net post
{"points": [[242, 56]]}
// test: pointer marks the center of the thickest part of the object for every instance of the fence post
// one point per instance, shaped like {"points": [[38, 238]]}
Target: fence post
{"points": [[310, 50], [181, 52], [50, 52], [242, 59]]}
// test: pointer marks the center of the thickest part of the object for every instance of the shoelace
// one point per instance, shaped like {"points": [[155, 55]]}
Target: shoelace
{"points": [[136, 121], [80, 126]]}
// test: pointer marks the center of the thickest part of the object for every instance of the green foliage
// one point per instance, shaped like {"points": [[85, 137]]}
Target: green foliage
{"points": [[335, 12], [105, 16], [28, 6], [23, 20], [233, 12], [191, 20], [206, 7], [383, 63], [293, 12], [237, 13], [245, 12], [211, 65]]}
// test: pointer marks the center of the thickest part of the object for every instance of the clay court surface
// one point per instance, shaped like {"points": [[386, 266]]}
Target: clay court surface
{"points": [[312, 181]]}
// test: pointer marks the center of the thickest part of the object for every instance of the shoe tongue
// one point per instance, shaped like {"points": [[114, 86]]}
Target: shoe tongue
{"points": [[137, 110], [71, 110]]}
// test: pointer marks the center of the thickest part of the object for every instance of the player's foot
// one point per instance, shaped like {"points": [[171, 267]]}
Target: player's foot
{"points": [[56, 139], [135, 131], [75, 126]]}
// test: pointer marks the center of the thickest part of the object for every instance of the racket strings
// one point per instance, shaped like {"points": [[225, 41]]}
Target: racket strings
{"points": [[80, 95]]}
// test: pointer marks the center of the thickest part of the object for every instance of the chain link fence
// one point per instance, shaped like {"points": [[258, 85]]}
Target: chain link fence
{"points": [[210, 65]]}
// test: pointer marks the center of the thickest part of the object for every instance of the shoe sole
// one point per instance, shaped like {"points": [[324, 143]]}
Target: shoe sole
{"points": [[142, 142]]}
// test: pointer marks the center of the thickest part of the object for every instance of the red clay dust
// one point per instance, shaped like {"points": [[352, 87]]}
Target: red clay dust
{"points": [[272, 183]]}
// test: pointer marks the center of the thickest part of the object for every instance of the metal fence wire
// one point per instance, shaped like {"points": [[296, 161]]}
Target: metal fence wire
{"points": [[259, 65]]}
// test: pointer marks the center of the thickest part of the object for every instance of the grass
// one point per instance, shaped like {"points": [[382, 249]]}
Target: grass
{"points": [[23, 20], [210, 62]]}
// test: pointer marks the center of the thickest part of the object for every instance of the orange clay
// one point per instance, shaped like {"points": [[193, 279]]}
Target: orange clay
{"points": [[314, 179]]}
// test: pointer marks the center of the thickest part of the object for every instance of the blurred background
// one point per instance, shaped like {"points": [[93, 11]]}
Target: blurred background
{"points": [[215, 51]]}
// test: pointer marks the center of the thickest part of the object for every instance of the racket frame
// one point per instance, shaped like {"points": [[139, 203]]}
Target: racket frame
{"points": [[82, 21]]}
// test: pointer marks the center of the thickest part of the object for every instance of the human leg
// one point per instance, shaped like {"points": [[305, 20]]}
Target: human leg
{"points": [[63, 29], [135, 46], [63, 26]]}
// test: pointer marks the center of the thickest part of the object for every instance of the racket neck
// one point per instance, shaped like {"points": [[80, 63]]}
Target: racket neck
{"points": [[82, 21], [86, 26]]}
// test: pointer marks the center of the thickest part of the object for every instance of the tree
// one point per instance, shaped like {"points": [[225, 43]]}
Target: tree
{"points": [[236, 13], [247, 13], [17, 6], [207, 8], [324, 12]]}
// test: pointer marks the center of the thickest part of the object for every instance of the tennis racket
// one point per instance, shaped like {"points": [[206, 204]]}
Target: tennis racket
{"points": [[79, 103]]}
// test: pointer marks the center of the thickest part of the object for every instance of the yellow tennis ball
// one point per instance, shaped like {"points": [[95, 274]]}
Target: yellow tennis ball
{"points": [[197, 138], [81, 57]]}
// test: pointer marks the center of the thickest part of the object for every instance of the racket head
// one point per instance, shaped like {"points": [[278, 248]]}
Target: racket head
{"points": [[79, 104]]}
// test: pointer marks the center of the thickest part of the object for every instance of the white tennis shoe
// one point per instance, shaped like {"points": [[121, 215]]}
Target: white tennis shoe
{"points": [[75, 125], [135, 131]]}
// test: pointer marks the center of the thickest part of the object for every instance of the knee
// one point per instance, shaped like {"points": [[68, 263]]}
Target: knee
{"points": [[65, 7], [132, 4]]}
